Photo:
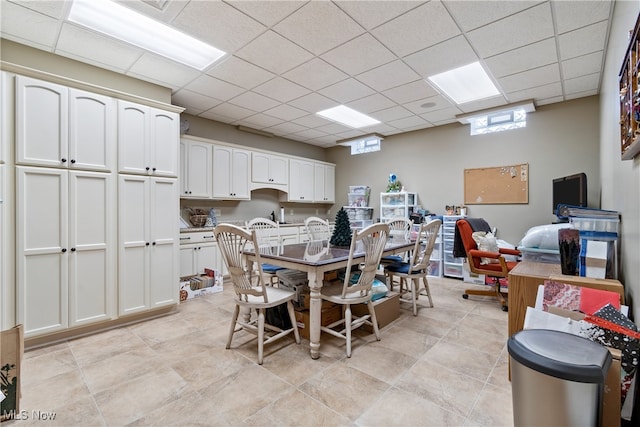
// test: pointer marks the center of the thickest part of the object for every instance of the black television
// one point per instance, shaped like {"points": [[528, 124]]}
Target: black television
{"points": [[570, 190]]}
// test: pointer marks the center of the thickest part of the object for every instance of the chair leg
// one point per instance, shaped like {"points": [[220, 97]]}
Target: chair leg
{"points": [[292, 316], [415, 289], [260, 335], [374, 320], [390, 281], [347, 325], [427, 290], [234, 320]]}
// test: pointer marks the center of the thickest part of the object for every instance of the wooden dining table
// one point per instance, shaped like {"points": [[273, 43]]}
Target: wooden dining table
{"points": [[316, 258]]}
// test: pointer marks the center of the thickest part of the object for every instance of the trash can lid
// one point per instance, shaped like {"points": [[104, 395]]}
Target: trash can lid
{"points": [[560, 354]]}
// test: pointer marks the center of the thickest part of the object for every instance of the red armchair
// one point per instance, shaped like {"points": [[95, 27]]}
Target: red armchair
{"points": [[496, 270]]}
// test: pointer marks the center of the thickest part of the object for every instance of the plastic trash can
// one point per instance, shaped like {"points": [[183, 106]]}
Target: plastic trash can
{"points": [[557, 379]]}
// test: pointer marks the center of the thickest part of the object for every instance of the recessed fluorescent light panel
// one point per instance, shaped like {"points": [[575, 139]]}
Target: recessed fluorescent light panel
{"points": [[117, 21], [465, 84], [348, 116]]}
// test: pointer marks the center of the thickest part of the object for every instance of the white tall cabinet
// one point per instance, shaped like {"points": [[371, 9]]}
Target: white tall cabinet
{"points": [[148, 257], [95, 206], [66, 248]]}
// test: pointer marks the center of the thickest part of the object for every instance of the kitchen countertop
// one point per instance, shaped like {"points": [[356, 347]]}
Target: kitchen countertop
{"points": [[238, 223]]}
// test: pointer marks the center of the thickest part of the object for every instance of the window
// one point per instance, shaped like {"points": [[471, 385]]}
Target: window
{"points": [[499, 122]]}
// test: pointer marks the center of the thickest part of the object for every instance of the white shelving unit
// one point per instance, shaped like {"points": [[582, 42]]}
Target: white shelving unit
{"points": [[359, 216], [452, 267], [397, 204]]}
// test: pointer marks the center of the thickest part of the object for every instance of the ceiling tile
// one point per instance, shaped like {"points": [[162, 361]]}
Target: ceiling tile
{"points": [[319, 26], [444, 56], [408, 122], [310, 121], [285, 112], [417, 29], [370, 103], [473, 14], [160, 10], [582, 84], [53, 8], [231, 111], [410, 92], [580, 94], [483, 104], [389, 75], [239, 72], [96, 48], [333, 128], [427, 105], [281, 89], [267, 13], [217, 88], [285, 128], [254, 101], [274, 53], [393, 113], [310, 133], [358, 55], [315, 74], [531, 78], [162, 70], [518, 30], [229, 31], [26, 24], [346, 90], [260, 121], [440, 115], [581, 65], [194, 102], [517, 60], [313, 102], [582, 41], [571, 15], [374, 13], [546, 91]]}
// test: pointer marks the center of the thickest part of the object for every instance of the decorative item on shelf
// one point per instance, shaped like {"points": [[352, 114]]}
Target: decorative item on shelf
{"points": [[450, 209], [394, 184], [212, 221], [342, 231], [198, 217]]}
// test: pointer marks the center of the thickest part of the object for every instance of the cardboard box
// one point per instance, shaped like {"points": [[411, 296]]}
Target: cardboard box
{"points": [[11, 352], [200, 285], [387, 310], [611, 404], [329, 315]]}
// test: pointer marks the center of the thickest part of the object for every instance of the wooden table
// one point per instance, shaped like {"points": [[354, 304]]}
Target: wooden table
{"points": [[317, 258], [523, 287]]}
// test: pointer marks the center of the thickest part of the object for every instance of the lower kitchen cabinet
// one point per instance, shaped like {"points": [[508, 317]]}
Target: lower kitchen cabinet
{"points": [[198, 250], [65, 257], [148, 246]]}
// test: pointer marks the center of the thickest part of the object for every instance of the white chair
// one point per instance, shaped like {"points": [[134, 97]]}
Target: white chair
{"points": [[399, 228], [417, 268], [268, 234], [232, 241], [356, 288], [317, 228]]}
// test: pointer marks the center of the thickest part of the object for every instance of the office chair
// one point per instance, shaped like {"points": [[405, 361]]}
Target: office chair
{"points": [[491, 264]]}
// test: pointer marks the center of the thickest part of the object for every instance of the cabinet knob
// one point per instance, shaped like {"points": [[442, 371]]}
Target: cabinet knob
{"points": [[63, 160], [64, 250], [147, 168], [154, 243], [154, 169], [73, 160], [73, 249], [147, 244]]}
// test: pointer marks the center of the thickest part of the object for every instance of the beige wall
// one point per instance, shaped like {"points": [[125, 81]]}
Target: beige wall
{"points": [[560, 139], [620, 179]]}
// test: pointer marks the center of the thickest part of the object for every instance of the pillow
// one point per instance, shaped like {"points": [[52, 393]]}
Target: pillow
{"points": [[486, 242]]}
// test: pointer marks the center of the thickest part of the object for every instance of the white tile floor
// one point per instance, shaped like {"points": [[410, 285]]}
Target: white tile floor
{"points": [[445, 367]]}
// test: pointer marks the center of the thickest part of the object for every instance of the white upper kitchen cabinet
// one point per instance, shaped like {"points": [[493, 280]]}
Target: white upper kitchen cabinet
{"points": [[231, 173], [148, 140], [148, 247], [269, 171], [196, 169], [63, 127], [65, 256], [324, 183], [301, 176]]}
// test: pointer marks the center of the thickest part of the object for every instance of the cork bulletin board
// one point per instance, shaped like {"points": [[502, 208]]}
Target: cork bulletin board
{"points": [[497, 185]]}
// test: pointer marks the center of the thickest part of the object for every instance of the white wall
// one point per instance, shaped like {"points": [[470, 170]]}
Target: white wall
{"points": [[620, 179], [560, 139]]}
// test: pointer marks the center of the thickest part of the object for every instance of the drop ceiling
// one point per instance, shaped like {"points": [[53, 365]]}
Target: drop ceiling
{"points": [[289, 59]]}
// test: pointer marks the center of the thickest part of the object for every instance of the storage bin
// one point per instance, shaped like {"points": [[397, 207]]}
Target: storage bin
{"points": [[550, 256], [607, 225]]}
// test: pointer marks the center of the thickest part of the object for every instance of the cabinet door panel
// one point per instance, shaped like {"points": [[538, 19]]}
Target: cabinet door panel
{"points": [[92, 131], [133, 138], [43, 293], [279, 170], [164, 284], [199, 170], [164, 142], [206, 257], [163, 262], [91, 231], [133, 267], [222, 172], [42, 132], [240, 175], [187, 266]]}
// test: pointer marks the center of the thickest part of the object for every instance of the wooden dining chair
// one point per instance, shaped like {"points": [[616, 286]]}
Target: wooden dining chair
{"points": [[358, 280], [416, 269], [399, 228], [268, 234], [317, 228], [251, 290]]}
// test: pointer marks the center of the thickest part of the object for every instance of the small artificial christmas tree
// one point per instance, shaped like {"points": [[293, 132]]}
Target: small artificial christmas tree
{"points": [[342, 230]]}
